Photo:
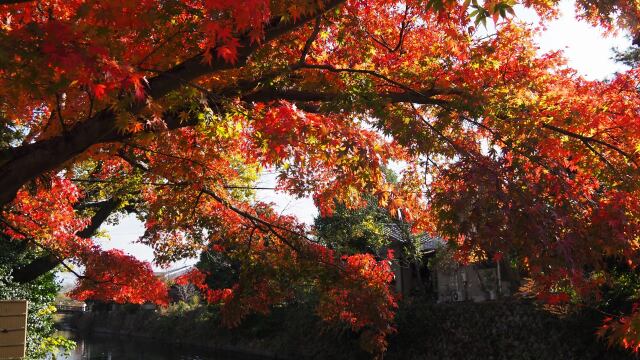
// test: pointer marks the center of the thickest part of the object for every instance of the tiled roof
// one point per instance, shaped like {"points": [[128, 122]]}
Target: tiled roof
{"points": [[430, 243], [427, 243], [394, 232], [174, 273]]}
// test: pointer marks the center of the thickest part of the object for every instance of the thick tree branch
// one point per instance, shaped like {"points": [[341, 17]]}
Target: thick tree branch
{"points": [[30, 160], [35, 269], [11, 2]]}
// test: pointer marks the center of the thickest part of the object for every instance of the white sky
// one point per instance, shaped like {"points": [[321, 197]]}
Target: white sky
{"points": [[586, 48]]}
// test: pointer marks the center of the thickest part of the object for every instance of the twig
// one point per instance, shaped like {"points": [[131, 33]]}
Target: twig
{"points": [[311, 39]]}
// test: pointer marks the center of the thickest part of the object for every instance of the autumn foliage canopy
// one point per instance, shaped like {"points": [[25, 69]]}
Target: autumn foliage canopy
{"points": [[171, 109]]}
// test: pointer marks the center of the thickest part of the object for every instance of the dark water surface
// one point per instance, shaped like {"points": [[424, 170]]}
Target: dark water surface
{"points": [[105, 347]]}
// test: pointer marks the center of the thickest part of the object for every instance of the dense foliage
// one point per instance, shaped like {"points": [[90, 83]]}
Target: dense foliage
{"points": [[169, 109], [362, 230]]}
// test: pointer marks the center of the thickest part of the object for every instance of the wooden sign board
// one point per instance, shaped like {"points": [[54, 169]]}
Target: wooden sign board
{"points": [[13, 329]]}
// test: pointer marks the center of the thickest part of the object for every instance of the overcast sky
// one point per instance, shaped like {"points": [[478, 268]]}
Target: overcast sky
{"points": [[585, 47]]}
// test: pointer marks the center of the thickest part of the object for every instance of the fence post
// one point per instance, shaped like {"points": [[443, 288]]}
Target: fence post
{"points": [[13, 329]]}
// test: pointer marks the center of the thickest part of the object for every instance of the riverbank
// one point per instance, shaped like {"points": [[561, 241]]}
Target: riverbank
{"points": [[513, 330], [236, 352], [258, 337], [108, 346]]}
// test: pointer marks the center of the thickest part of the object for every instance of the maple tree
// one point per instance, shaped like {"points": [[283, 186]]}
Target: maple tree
{"points": [[170, 110]]}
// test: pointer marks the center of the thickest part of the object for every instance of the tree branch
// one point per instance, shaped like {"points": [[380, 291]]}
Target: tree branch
{"points": [[50, 261], [403, 28], [589, 139], [310, 40], [422, 97], [373, 73], [28, 161], [12, 2], [273, 229]]}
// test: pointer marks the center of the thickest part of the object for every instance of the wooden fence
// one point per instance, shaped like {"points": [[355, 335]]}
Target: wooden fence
{"points": [[13, 329]]}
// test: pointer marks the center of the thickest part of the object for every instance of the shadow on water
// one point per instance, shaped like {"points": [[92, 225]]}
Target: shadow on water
{"points": [[108, 347]]}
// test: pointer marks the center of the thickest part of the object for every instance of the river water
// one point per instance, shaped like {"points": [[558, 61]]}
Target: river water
{"points": [[103, 347]]}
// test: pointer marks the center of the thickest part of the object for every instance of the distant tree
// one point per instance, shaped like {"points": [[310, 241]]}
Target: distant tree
{"points": [[355, 230], [222, 271], [368, 228]]}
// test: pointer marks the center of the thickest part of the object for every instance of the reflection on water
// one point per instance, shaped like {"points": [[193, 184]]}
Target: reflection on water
{"points": [[104, 347]]}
